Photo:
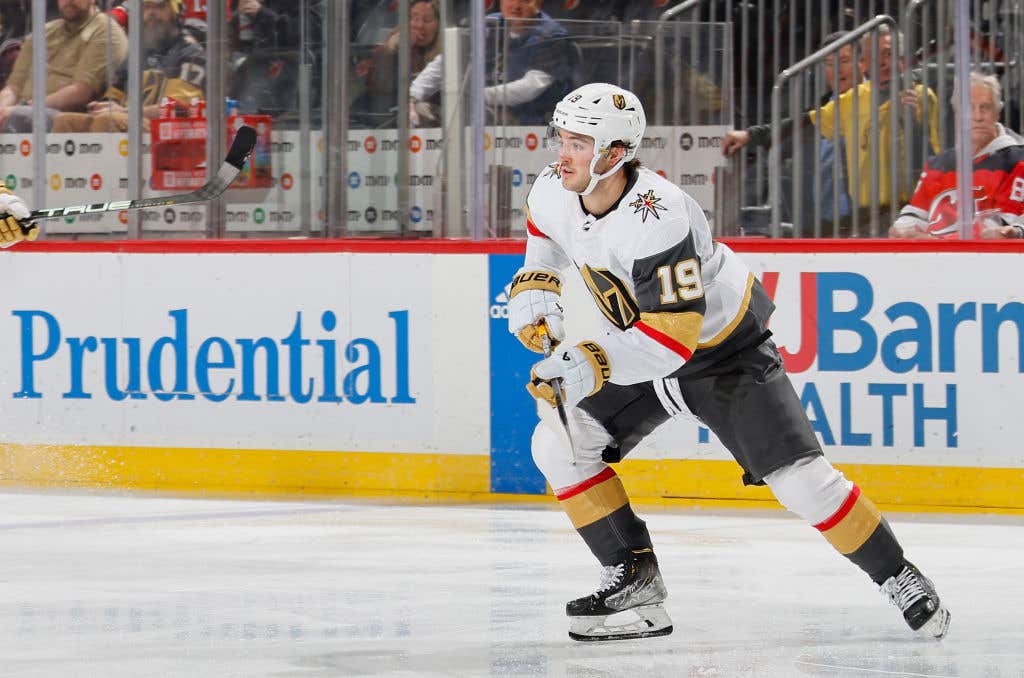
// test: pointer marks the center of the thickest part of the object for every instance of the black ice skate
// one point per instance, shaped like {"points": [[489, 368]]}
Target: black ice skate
{"points": [[915, 596], [633, 587]]}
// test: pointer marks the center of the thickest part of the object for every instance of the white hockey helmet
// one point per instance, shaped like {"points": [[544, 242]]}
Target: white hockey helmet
{"points": [[607, 113]]}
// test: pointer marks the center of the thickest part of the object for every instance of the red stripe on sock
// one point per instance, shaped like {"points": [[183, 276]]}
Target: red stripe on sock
{"points": [[573, 490], [841, 513]]}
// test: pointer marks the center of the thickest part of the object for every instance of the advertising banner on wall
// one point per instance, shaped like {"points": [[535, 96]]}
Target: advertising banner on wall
{"points": [[89, 168], [270, 351], [902, 360], [686, 155]]}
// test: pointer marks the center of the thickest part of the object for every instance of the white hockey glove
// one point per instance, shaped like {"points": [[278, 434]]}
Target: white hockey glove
{"points": [[583, 369], [14, 223], [536, 295]]}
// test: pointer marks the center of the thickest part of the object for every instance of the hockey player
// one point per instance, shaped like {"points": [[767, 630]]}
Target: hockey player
{"points": [[14, 219], [685, 324], [998, 178]]}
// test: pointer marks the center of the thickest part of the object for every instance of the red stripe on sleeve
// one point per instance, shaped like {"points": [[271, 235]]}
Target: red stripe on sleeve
{"points": [[841, 513], [665, 340], [532, 229], [573, 490]]}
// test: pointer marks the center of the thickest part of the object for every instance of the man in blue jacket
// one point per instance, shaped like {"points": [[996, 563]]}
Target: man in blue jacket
{"points": [[528, 66]]}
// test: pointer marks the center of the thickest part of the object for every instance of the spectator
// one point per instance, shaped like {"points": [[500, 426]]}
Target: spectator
{"points": [[175, 67], [858, 153], [922, 135], [193, 15], [13, 16], [260, 25], [265, 36], [842, 71], [76, 55], [998, 177], [380, 69], [533, 79], [194, 20]]}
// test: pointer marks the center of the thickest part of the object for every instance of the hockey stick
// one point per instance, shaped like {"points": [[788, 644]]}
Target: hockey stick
{"points": [[241, 147], [556, 386]]}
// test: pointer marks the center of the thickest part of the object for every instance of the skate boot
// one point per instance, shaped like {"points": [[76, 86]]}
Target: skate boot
{"points": [[915, 596], [633, 587]]}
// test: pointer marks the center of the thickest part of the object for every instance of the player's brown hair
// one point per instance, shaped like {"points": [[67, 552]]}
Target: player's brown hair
{"points": [[631, 165]]}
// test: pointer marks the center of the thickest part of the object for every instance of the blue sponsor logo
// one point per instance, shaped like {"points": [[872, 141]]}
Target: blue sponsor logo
{"points": [[843, 329], [301, 365], [354, 180], [415, 214], [517, 178]]}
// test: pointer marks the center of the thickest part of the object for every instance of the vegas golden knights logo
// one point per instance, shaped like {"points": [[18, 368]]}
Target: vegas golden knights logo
{"points": [[612, 297], [619, 101]]}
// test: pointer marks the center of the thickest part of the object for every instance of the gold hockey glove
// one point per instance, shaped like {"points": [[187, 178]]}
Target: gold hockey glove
{"points": [[535, 295], [14, 219], [583, 369]]}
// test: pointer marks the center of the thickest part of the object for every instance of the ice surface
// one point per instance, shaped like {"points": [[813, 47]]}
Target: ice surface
{"points": [[110, 586]]}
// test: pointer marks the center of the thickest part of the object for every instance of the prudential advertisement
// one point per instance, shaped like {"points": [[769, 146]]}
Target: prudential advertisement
{"points": [[307, 351]]}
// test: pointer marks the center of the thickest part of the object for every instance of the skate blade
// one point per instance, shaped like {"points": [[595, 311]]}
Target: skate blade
{"points": [[652, 621], [938, 624]]}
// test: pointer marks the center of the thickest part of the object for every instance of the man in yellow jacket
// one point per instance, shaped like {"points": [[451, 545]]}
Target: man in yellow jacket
{"points": [[855, 104]]}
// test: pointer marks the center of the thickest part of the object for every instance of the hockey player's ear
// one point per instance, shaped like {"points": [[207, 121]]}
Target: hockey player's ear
{"points": [[615, 153]]}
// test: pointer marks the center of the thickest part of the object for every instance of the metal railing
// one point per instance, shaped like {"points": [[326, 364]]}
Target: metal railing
{"points": [[742, 65], [874, 131], [769, 36], [775, 35]]}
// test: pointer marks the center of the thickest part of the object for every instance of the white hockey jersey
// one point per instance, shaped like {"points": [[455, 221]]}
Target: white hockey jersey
{"points": [[674, 301]]}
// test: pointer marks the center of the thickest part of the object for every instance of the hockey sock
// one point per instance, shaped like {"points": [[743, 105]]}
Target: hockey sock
{"points": [[599, 510], [859, 532]]}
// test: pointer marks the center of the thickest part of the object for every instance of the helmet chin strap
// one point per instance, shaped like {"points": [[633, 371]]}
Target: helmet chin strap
{"points": [[594, 177]]}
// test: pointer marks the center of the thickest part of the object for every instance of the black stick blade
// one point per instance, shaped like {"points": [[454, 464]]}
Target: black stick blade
{"points": [[241, 147]]}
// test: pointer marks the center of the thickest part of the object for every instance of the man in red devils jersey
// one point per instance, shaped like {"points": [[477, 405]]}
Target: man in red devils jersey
{"points": [[998, 178], [685, 326]]}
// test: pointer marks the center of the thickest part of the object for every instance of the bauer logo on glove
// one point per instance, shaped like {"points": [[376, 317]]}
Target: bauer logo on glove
{"points": [[536, 296], [581, 370]]}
